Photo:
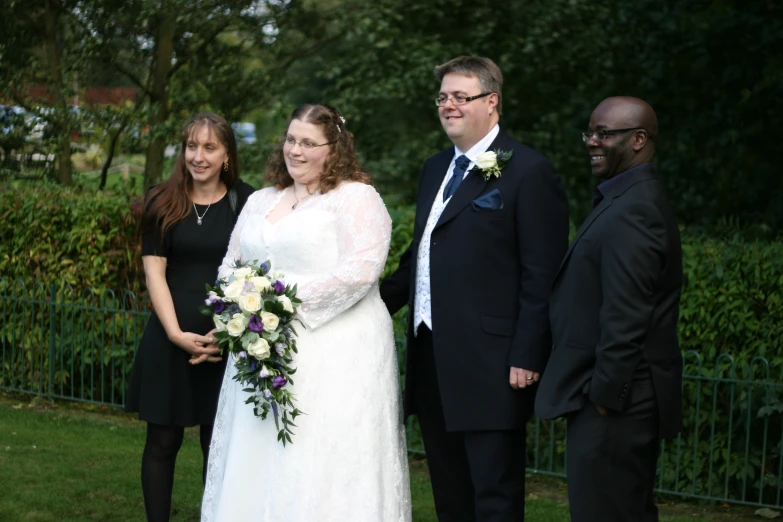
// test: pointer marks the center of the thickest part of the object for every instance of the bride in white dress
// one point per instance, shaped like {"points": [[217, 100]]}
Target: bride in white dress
{"points": [[328, 231]]}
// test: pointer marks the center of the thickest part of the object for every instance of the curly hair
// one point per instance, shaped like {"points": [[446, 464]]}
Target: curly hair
{"points": [[341, 163], [169, 202]]}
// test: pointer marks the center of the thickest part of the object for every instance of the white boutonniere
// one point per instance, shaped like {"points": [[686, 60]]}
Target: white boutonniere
{"points": [[490, 163]]}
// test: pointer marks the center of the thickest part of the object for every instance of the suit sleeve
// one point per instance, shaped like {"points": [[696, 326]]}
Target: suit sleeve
{"points": [[395, 289], [542, 239], [632, 258]]}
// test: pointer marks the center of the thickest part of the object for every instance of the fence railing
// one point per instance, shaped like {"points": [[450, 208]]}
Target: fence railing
{"points": [[60, 343]]}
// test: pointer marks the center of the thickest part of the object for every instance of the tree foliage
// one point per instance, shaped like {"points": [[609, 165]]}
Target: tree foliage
{"points": [[711, 69]]}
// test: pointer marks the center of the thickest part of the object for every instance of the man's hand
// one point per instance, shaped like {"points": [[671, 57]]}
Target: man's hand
{"points": [[521, 378]]}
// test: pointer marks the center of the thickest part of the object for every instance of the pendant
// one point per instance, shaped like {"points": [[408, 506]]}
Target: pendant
{"points": [[293, 207], [199, 221]]}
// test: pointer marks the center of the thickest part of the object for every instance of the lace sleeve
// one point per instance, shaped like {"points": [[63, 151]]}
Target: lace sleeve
{"points": [[364, 233], [256, 203]]}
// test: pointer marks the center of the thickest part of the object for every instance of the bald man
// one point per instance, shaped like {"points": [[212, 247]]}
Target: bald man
{"points": [[615, 372]]}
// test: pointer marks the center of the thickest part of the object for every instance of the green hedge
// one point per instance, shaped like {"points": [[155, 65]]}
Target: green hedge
{"points": [[732, 303], [51, 234], [732, 298]]}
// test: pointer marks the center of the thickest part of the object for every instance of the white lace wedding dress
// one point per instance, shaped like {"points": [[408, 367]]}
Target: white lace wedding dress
{"points": [[348, 459]]}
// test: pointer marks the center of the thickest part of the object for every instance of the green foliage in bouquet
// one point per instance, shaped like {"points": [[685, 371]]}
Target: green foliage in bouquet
{"points": [[254, 310]]}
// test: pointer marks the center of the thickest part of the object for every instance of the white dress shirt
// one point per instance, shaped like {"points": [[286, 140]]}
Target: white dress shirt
{"points": [[422, 303]]}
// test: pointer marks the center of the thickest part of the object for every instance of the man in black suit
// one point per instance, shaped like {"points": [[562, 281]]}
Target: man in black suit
{"points": [[488, 238], [616, 368]]}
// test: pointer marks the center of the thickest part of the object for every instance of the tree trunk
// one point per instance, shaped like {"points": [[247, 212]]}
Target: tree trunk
{"points": [[159, 95], [113, 139], [56, 90]]}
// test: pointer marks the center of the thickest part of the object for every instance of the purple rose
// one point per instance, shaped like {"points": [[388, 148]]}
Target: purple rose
{"points": [[279, 287], [255, 324], [278, 382], [218, 306]]}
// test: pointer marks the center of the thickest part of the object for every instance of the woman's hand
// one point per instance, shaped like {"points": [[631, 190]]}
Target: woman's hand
{"points": [[206, 357], [196, 345]]}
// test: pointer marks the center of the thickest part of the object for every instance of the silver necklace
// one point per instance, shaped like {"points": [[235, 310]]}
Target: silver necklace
{"points": [[199, 219], [293, 207]]}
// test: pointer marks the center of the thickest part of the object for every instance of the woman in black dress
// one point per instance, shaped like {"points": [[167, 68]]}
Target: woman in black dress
{"points": [[185, 231]]}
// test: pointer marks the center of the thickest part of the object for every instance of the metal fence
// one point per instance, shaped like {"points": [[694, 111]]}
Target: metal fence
{"points": [[63, 344]]}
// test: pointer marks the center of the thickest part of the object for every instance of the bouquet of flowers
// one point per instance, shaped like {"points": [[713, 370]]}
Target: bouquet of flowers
{"points": [[253, 311]]}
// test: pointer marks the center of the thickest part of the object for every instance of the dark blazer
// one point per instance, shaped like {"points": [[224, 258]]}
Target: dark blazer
{"points": [[494, 253], [615, 306]]}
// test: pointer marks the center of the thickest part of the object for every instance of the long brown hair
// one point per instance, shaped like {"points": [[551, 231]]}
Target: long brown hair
{"points": [[169, 202], [341, 163]]}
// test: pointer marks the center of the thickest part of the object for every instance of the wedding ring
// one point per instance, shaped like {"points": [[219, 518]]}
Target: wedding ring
{"points": [[529, 378]]}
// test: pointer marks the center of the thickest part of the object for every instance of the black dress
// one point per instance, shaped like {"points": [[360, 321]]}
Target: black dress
{"points": [[164, 387]]}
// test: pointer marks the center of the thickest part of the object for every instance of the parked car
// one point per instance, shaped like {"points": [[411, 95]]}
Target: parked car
{"points": [[245, 132]]}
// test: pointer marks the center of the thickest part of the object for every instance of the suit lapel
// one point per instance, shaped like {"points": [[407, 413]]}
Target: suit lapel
{"points": [[470, 188], [643, 175], [597, 211]]}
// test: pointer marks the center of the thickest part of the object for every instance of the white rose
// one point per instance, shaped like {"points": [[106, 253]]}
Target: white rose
{"points": [[236, 326], [487, 160], [286, 302], [242, 273], [270, 321], [259, 349], [261, 283], [220, 325], [234, 290], [251, 302]]}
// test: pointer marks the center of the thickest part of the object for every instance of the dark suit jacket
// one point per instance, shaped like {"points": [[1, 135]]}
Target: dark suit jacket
{"points": [[615, 303], [491, 273]]}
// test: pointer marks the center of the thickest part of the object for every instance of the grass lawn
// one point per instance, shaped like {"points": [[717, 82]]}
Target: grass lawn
{"points": [[64, 462]]}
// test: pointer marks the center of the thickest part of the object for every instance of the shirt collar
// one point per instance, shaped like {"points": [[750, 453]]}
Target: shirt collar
{"points": [[479, 147], [606, 187]]}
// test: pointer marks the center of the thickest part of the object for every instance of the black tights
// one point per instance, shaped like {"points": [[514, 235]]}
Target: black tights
{"points": [[157, 466]]}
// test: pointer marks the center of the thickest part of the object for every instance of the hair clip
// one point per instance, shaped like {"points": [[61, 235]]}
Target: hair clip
{"points": [[338, 129]]}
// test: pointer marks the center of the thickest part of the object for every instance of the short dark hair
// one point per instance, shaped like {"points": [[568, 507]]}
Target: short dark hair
{"points": [[487, 71]]}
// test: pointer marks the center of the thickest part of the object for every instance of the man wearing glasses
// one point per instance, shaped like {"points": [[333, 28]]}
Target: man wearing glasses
{"points": [[616, 369], [489, 235]]}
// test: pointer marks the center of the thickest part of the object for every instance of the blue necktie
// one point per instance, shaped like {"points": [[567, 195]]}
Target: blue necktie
{"points": [[460, 165]]}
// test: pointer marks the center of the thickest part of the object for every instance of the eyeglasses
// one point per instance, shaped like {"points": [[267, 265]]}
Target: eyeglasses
{"points": [[458, 99], [602, 134], [305, 144]]}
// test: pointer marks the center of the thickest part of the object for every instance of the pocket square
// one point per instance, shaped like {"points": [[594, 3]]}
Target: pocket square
{"points": [[489, 201]]}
